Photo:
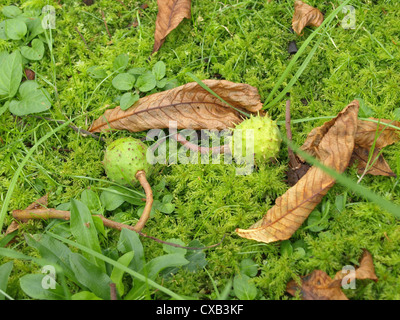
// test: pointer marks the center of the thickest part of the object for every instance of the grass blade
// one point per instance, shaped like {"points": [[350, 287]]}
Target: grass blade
{"points": [[292, 63]]}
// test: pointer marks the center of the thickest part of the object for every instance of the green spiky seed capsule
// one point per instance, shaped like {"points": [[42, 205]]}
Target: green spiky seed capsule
{"points": [[124, 158], [267, 139]]}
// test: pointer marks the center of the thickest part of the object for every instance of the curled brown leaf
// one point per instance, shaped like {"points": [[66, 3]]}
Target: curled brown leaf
{"points": [[291, 209], [368, 131], [366, 270], [316, 286], [378, 165], [40, 203], [319, 286], [170, 14], [189, 105], [305, 15]]}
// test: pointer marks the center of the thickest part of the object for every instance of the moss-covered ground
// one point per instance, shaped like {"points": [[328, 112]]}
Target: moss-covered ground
{"points": [[240, 41]]}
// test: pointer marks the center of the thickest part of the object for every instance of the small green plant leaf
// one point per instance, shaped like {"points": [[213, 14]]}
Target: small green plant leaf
{"points": [[159, 70], [4, 108], [5, 270], [34, 28], [84, 230], [99, 224], [121, 62], [96, 72], [7, 238], [113, 197], [85, 295], [15, 29], [128, 99], [3, 34], [197, 258], [10, 74], [152, 269], [52, 250], [316, 222], [243, 288], [91, 276], [146, 82], [162, 83], [299, 253], [137, 71], [117, 274], [167, 208], [129, 241], [286, 248], [111, 200], [340, 202], [35, 52], [31, 284], [11, 11], [170, 249], [365, 110], [249, 267], [124, 81], [32, 99], [91, 200], [155, 266], [397, 114]]}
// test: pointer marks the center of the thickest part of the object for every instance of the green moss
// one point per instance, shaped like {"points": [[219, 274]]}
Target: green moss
{"points": [[238, 41]]}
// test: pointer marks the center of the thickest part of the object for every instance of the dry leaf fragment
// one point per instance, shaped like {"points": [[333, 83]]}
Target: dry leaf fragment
{"points": [[189, 105], [305, 15], [365, 135], [292, 209], [40, 203], [169, 16], [366, 270], [379, 168], [319, 286], [316, 286], [367, 131]]}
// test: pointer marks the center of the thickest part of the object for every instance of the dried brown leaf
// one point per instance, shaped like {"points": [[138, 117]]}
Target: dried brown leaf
{"points": [[319, 286], [189, 105], [379, 168], [40, 203], [291, 209], [316, 286], [367, 131], [305, 15], [366, 270], [170, 14], [365, 136]]}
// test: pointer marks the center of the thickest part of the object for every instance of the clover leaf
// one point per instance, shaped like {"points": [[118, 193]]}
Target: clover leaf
{"points": [[33, 99]]}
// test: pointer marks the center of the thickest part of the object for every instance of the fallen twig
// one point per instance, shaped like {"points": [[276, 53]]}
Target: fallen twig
{"points": [[46, 214], [73, 127], [203, 150], [113, 291]]}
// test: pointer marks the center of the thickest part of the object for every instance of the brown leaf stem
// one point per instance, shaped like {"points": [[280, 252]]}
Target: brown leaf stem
{"points": [[46, 214], [203, 150], [141, 176], [113, 291]]}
